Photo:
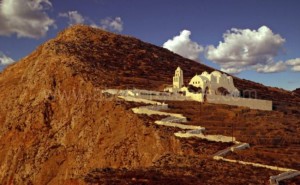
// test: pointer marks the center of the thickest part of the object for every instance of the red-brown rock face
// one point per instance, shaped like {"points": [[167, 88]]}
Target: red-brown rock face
{"points": [[55, 124]]}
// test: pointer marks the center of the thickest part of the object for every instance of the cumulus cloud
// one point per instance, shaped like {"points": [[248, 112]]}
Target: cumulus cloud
{"points": [[112, 24], [294, 63], [108, 23], [184, 46], [271, 67], [73, 16], [25, 18], [248, 49], [5, 60], [231, 70]]}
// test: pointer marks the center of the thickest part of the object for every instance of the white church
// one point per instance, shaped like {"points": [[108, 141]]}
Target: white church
{"points": [[205, 81], [215, 87]]}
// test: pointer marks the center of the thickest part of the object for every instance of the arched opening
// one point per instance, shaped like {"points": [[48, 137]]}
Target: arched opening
{"points": [[222, 91], [194, 89]]}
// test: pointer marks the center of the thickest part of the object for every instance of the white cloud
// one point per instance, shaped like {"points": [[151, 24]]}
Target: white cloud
{"points": [[296, 68], [73, 16], [26, 18], [295, 63], [111, 24], [5, 60], [271, 67], [248, 49], [184, 46], [231, 70]]}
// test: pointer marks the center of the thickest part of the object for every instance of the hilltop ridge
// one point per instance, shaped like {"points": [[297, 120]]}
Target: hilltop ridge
{"points": [[112, 60], [297, 91], [54, 116]]}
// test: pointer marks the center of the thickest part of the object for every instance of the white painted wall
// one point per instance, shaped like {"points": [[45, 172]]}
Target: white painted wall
{"points": [[196, 97], [178, 78], [214, 80], [253, 164], [216, 138], [237, 101]]}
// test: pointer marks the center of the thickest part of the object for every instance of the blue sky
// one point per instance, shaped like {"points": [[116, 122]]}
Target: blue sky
{"points": [[156, 22]]}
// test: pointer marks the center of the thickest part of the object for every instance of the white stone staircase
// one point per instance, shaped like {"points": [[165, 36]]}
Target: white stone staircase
{"points": [[176, 120]]}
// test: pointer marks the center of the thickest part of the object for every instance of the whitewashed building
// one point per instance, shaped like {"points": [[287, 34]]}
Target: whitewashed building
{"points": [[214, 87]]}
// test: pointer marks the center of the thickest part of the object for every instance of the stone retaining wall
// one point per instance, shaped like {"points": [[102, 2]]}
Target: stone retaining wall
{"points": [[174, 120], [237, 101], [253, 164], [215, 138]]}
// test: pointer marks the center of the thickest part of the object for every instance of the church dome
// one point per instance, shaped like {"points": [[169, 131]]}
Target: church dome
{"points": [[216, 73], [205, 73], [198, 81]]}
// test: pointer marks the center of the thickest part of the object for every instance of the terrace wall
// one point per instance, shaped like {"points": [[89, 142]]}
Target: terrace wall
{"points": [[245, 102]]}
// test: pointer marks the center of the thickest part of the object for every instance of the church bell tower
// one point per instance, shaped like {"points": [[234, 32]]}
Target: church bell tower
{"points": [[178, 78]]}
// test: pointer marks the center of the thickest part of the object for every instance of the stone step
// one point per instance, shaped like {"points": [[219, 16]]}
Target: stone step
{"points": [[274, 180]]}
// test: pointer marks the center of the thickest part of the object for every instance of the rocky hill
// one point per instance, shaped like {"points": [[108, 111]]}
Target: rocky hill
{"points": [[56, 126], [297, 91]]}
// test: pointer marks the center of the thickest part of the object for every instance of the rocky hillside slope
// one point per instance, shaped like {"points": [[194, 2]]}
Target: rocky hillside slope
{"points": [[56, 125], [297, 91]]}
